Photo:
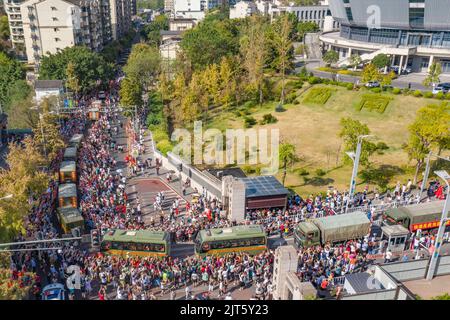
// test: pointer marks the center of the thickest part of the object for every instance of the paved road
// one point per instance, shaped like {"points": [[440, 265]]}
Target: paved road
{"points": [[403, 81]]}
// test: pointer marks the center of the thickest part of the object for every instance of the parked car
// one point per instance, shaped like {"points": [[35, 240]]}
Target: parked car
{"points": [[406, 70], [441, 87], [373, 84], [53, 291]]}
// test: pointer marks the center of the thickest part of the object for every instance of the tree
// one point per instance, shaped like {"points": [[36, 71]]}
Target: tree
{"points": [[151, 32], [350, 131], [11, 71], [331, 57], [287, 154], [13, 288], [210, 41], [305, 27], [429, 130], [433, 74], [371, 73], [355, 60], [381, 61], [386, 79], [23, 179], [254, 52], [444, 296], [143, 64], [89, 67], [130, 94], [72, 81], [228, 82], [21, 113], [282, 42], [4, 28]]}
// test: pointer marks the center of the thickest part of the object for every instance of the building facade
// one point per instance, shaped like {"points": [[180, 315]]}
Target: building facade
{"points": [[12, 9], [320, 15], [121, 12], [243, 9], [193, 9], [414, 33], [52, 25]]}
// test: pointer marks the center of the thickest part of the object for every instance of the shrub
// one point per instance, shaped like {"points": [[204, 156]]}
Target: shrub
{"points": [[439, 95], [290, 97], [249, 104], [268, 118], [428, 94], [396, 90], [303, 172], [318, 95], [314, 80], [159, 134], [249, 122], [320, 172], [342, 84], [382, 146], [447, 96], [406, 91], [417, 93], [164, 146], [376, 90], [153, 119], [298, 84], [349, 86], [374, 102], [248, 169], [326, 81]]}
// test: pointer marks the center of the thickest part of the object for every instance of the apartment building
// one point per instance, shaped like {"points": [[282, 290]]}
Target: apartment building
{"points": [[193, 9], [121, 12], [52, 25], [12, 9]]}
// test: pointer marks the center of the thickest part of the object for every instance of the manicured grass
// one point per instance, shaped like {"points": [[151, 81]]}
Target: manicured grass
{"points": [[374, 102], [318, 95]]}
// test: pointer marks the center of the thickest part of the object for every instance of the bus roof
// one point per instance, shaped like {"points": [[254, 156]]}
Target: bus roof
{"points": [[238, 232], [67, 190], [137, 236], [67, 166], [70, 214], [342, 220], [76, 138], [70, 152]]}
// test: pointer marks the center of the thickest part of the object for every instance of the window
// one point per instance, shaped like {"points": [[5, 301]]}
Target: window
{"points": [[346, 1], [54, 8], [348, 11], [55, 29], [54, 18], [416, 17], [57, 39]]}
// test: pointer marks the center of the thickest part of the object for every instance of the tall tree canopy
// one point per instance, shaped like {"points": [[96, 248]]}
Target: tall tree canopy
{"points": [[89, 67], [11, 71]]}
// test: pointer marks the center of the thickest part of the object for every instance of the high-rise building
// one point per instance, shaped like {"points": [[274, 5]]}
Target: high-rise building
{"points": [[12, 9], [120, 11], [52, 25]]}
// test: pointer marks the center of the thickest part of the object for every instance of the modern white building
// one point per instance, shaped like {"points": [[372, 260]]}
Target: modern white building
{"points": [[192, 9], [414, 33], [244, 9]]}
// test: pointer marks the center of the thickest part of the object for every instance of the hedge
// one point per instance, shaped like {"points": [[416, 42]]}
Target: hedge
{"points": [[374, 102], [319, 95]]}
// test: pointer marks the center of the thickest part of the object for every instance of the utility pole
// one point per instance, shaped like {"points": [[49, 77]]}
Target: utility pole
{"points": [[41, 119], [355, 157], [444, 218]]}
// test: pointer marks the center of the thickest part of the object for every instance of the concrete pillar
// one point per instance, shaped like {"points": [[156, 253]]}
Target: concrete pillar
{"points": [[286, 260], [393, 60], [400, 65], [349, 52], [430, 62], [237, 202]]}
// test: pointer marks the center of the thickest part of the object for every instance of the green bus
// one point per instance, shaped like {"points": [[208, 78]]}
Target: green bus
{"points": [[251, 239], [136, 243], [75, 141], [70, 218]]}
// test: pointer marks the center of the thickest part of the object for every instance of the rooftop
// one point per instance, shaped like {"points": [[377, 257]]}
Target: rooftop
{"points": [[48, 84], [219, 173], [263, 186]]}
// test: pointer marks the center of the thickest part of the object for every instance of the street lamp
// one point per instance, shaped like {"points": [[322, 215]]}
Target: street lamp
{"points": [[444, 218], [355, 157]]}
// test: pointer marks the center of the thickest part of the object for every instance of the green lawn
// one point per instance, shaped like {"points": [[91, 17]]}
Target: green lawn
{"points": [[314, 129]]}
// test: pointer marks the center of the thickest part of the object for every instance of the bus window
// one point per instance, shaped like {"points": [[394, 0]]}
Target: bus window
{"points": [[117, 246], [310, 236], [147, 247], [106, 245], [139, 247], [400, 240], [131, 246], [392, 241], [205, 247]]}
